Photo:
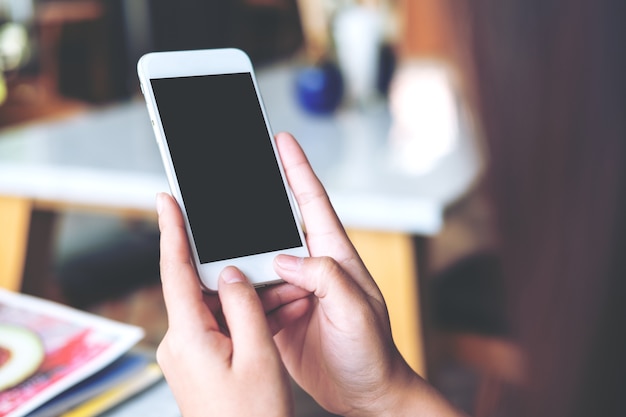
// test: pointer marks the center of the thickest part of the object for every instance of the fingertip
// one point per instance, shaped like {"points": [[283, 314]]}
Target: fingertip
{"points": [[166, 208], [288, 262], [243, 311], [234, 285], [232, 275], [160, 201], [284, 135], [285, 141]]}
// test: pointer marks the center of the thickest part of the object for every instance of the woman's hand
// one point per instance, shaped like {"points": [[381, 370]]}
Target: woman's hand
{"points": [[218, 356], [341, 351]]}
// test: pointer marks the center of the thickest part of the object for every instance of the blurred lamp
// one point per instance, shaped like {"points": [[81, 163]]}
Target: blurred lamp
{"points": [[14, 51]]}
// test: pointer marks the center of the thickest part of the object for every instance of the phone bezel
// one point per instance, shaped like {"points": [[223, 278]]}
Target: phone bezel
{"points": [[258, 268]]}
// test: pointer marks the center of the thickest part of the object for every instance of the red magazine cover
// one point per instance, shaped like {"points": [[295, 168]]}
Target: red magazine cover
{"points": [[46, 347]]}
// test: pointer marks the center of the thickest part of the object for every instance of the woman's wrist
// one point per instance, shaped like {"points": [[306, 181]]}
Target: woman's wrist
{"points": [[416, 399], [408, 394]]}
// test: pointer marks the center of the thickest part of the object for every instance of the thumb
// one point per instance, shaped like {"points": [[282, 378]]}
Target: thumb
{"points": [[323, 276], [244, 315]]}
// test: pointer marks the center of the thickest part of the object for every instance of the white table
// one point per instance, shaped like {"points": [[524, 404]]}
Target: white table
{"points": [[107, 159]]}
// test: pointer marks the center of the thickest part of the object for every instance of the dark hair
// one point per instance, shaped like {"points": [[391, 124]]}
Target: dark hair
{"points": [[550, 82]]}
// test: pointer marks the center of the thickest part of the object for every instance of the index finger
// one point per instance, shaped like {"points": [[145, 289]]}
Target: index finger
{"points": [[325, 233], [182, 293]]}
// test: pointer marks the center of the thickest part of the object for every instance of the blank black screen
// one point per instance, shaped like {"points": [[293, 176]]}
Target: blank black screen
{"points": [[230, 182]]}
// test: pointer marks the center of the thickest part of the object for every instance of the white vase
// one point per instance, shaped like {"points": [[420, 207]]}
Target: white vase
{"points": [[358, 33]]}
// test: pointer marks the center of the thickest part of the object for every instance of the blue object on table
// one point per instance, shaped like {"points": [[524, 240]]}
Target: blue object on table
{"points": [[319, 88]]}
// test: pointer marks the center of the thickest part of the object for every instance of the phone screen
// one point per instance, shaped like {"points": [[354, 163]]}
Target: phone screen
{"points": [[230, 182]]}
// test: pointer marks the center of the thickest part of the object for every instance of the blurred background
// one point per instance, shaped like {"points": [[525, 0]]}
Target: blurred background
{"points": [[71, 52], [64, 57]]}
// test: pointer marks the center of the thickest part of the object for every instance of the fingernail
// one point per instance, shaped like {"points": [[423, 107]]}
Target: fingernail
{"points": [[288, 262], [159, 202], [231, 275]]}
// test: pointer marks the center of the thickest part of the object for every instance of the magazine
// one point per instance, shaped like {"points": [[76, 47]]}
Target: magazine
{"points": [[46, 348], [129, 375]]}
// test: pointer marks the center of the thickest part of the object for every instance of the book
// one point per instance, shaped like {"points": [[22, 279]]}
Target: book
{"points": [[46, 348], [116, 395], [122, 379]]}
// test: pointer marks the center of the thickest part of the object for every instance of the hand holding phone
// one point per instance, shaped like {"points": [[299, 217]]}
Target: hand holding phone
{"points": [[221, 162], [329, 322]]}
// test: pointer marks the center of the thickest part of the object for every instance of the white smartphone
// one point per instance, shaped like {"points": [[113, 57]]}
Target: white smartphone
{"points": [[221, 161]]}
